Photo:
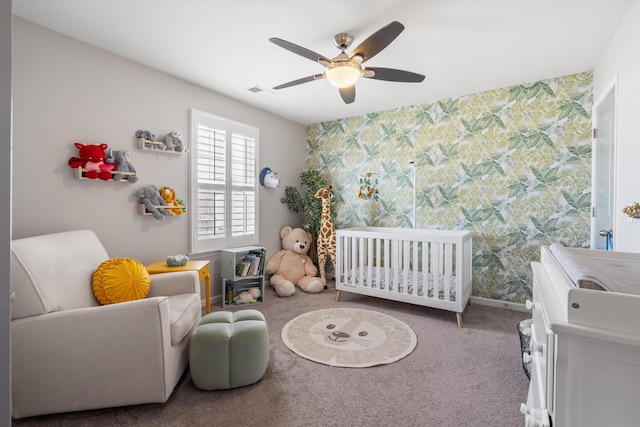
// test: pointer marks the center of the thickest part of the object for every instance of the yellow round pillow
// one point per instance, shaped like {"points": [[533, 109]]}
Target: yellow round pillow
{"points": [[119, 280]]}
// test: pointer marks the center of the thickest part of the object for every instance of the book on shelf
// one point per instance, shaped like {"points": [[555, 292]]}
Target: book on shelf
{"points": [[260, 257], [242, 268], [252, 263]]}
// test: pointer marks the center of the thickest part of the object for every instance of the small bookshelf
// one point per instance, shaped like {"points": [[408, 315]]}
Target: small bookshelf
{"points": [[242, 269]]}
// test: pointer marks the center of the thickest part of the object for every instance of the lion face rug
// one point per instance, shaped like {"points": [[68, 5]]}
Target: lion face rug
{"points": [[349, 337]]}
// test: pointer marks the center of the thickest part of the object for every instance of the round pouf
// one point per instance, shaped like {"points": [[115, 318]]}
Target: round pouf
{"points": [[229, 350]]}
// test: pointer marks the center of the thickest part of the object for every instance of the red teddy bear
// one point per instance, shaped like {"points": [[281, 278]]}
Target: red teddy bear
{"points": [[92, 161]]}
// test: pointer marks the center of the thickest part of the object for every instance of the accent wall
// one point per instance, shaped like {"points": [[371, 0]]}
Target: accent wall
{"points": [[512, 165]]}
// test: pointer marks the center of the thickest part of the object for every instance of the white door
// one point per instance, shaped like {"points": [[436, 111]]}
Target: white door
{"points": [[603, 172]]}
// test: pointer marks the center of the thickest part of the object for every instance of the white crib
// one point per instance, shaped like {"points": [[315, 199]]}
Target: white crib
{"points": [[431, 268]]}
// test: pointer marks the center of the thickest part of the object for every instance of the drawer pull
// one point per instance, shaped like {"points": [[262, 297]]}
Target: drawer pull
{"points": [[530, 417], [535, 347]]}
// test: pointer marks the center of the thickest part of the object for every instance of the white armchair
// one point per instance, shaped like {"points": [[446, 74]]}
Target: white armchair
{"points": [[69, 353]]}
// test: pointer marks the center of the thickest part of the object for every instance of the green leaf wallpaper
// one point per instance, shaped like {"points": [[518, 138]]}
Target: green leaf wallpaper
{"points": [[512, 165]]}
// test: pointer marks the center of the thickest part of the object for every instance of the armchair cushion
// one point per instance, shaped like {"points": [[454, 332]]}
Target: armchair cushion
{"points": [[53, 272], [120, 280], [184, 314]]}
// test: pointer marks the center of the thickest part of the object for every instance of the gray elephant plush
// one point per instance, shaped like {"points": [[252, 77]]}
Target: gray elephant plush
{"points": [[149, 139], [173, 141], [122, 160], [150, 197]]}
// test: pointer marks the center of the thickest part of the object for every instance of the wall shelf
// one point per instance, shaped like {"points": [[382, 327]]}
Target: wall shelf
{"points": [[78, 173], [142, 209], [234, 284], [146, 145]]}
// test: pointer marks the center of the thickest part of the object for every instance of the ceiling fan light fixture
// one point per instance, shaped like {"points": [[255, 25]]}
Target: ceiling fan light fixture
{"points": [[343, 74]]}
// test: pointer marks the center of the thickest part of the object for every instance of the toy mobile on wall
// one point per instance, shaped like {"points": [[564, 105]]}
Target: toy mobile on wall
{"points": [[96, 163], [159, 203], [170, 143], [368, 186]]}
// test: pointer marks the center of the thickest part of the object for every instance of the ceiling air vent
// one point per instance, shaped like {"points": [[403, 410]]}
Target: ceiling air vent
{"points": [[259, 90]]}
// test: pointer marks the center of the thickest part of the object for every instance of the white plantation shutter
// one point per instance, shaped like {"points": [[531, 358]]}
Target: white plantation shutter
{"points": [[243, 181], [223, 183]]}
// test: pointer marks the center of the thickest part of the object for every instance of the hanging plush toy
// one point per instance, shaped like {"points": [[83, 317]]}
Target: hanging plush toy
{"points": [[368, 186]]}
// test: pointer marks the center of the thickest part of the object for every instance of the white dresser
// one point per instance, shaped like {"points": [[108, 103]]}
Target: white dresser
{"points": [[584, 353]]}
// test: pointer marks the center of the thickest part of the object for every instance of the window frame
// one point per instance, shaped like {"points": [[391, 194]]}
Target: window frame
{"points": [[248, 134]]}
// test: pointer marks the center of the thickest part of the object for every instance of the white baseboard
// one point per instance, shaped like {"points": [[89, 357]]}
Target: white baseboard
{"points": [[213, 301], [501, 304], [217, 300]]}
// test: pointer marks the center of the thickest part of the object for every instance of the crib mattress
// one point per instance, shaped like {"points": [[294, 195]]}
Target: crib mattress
{"points": [[354, 277]]}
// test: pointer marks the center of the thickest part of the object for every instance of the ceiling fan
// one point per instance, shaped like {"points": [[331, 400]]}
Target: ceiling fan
{"points": [[344, 70]]}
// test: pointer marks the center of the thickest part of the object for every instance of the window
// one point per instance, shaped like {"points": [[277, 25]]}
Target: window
{"points": [[223, 183]]}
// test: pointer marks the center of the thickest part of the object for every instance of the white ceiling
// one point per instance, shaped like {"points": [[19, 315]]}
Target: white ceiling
{"points": [[462, 46]]}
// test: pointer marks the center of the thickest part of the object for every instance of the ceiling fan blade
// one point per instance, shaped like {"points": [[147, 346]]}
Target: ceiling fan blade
{"points": [[299, 50], [393, 75], [377, 41], [300, 81], [348, 94]]}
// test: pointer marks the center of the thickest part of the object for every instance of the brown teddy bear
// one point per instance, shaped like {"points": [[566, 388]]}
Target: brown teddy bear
{"points": [[291, 266]]}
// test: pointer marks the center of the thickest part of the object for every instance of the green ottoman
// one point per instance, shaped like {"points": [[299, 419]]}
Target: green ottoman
{"points": [[229, 350]]}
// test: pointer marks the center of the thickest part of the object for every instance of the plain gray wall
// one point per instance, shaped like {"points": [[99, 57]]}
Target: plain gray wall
{"points": [[5, 212], [67, 91]]}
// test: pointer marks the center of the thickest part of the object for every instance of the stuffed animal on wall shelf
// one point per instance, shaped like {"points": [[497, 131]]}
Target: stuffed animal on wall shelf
{"points": [[149, 140], [169, 197], [152, 201], [291, 266], [91, 159], [173, 141], [123, 167]]}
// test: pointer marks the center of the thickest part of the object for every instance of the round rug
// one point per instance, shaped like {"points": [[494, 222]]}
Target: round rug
{"points": [[349, 337]]}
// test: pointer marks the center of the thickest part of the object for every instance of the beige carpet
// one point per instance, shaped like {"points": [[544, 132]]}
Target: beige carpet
{"points": [[349, 337], [454, 377]]}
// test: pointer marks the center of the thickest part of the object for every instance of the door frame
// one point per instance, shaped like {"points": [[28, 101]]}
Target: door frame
{"points": [[613, 85]]}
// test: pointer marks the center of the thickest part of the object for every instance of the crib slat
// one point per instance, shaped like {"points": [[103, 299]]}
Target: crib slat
{"points": [[344, 249], [339, 263], [354, 260], [370, 261], [425, 269], [405, 266], [378, 264], [447, 272], [347, 264], [361, 261], [415, 268], [435, 271], [387, 263]]}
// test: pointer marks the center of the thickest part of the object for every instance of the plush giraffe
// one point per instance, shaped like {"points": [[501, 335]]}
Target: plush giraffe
{"points": [[327, 234]]}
